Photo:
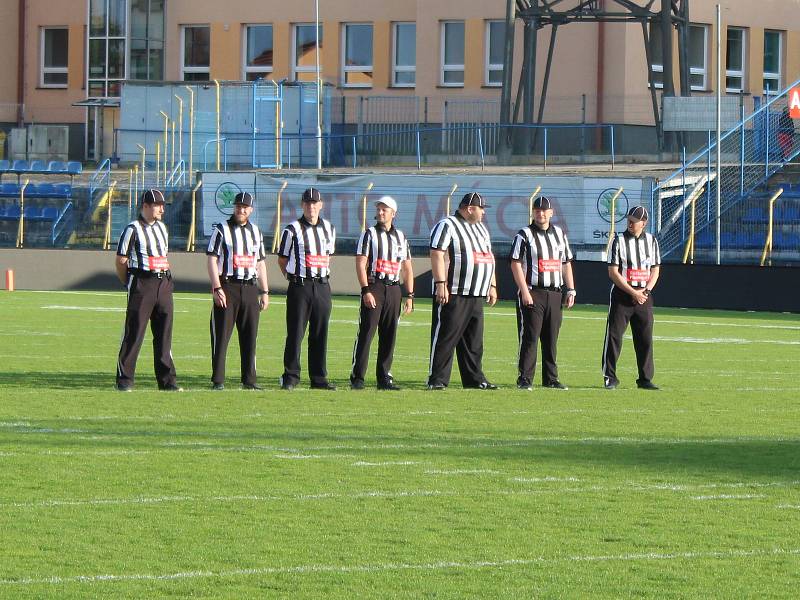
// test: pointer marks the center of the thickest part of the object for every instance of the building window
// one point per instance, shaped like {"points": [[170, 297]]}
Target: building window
{"points": [[357, 55], [698, 57], [305, 52], [107, 48], [257, 51], [735, 60], [656, 56], [54, 51], [147, 40], [773, 48], [404, 54], [495, 47], [452, 44], [196, 53]]}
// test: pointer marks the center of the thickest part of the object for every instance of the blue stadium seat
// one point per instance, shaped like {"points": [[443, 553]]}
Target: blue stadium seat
{"points": [[791, 214], [46, 190], [62, 190], [20, 166], [74, 167], [57, 166], [13, 212], [2, 211], [38, 166], [33, 213], [49, 213], [32, 190], [9, 190], [5, 166], [754, 214]]}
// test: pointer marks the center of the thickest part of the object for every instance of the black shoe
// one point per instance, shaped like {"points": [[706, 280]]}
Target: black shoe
{"points": [[323, 386], [124, 387], [356, 384], [486, 385], [286, 385], [252, 386], [555, 385], [437, 387], [524, 385], [171, 387], [218, 387], [610, 384], [389, 386], [646, 385]]}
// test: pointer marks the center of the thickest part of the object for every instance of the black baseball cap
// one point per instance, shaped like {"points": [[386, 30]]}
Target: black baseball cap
{"points": [[312, 195], [473, 199], [543, 203], [638, 213], [153, 197], [244, 198]]}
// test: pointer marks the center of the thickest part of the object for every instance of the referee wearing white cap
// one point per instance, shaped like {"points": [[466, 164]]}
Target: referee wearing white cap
{"points": [[382, 255], [633, 266], [143, 267], [238, 276], [541, 265], [304, 258], [462, 265]]}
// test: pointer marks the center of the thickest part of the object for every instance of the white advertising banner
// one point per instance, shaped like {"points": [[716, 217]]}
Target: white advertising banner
{"points": [[581, 203]]}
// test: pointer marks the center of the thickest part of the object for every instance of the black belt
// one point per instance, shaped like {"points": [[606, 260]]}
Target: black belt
{"points": [[543, 288], [248, 281], [301, 280], [384, 281], [151, 274]]}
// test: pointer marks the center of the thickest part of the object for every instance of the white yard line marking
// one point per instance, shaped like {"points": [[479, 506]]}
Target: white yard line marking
{"points": [[388, 463], [462, 472], [543, 479], [384, 567], [791, 506], [730, 497], [380, 494]]}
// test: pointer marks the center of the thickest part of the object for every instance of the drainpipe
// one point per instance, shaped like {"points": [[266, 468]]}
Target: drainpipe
{"points": [[601, 67], [21, 66]]}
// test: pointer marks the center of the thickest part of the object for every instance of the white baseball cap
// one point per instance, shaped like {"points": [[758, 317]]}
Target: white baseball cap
{"points": [[388, 201]]}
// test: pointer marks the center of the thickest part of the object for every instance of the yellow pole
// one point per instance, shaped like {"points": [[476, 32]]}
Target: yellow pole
{"points": [[144, 165], [158, 163], [192, 228], [180, 127], [364, 207], [530, 202], [21, 227], [191, 130], [613, 218], [688, 253], [107, 237], [277, 233], [219, 142], [450, 195], [767, 253], [166, 142], [172, 150], [130, 189], [135, 188]]}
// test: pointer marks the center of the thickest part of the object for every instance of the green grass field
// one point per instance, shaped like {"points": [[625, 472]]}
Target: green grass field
{"points": [[690, 492]]}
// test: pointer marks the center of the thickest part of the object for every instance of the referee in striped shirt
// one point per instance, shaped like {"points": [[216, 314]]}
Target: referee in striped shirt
{"points": [[304, 258], [239, 287], [541, 264], [633, 266], [462, 266], [382, 254], [142, 266]]}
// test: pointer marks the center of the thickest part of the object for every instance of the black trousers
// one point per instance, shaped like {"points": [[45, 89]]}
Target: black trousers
{"points": [[457, 325], [307, 305], [540, 322], [382, 318], [149, 301], [621, 311], [242, 311]]}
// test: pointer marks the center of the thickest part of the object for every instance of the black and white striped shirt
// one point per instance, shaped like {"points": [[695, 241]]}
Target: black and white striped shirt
{"points": [[543, 253], [238, 249], [385, 251], [635, 257], [146, 246], [308, 247], [469, 249]]}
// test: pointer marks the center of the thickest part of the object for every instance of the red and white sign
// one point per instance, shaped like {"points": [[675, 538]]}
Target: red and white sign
{"points": [[317, 261], [483, 258], [638, 275], [794, 103], [244, 261], [549, 265], [158, 263], [389, 267]]}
